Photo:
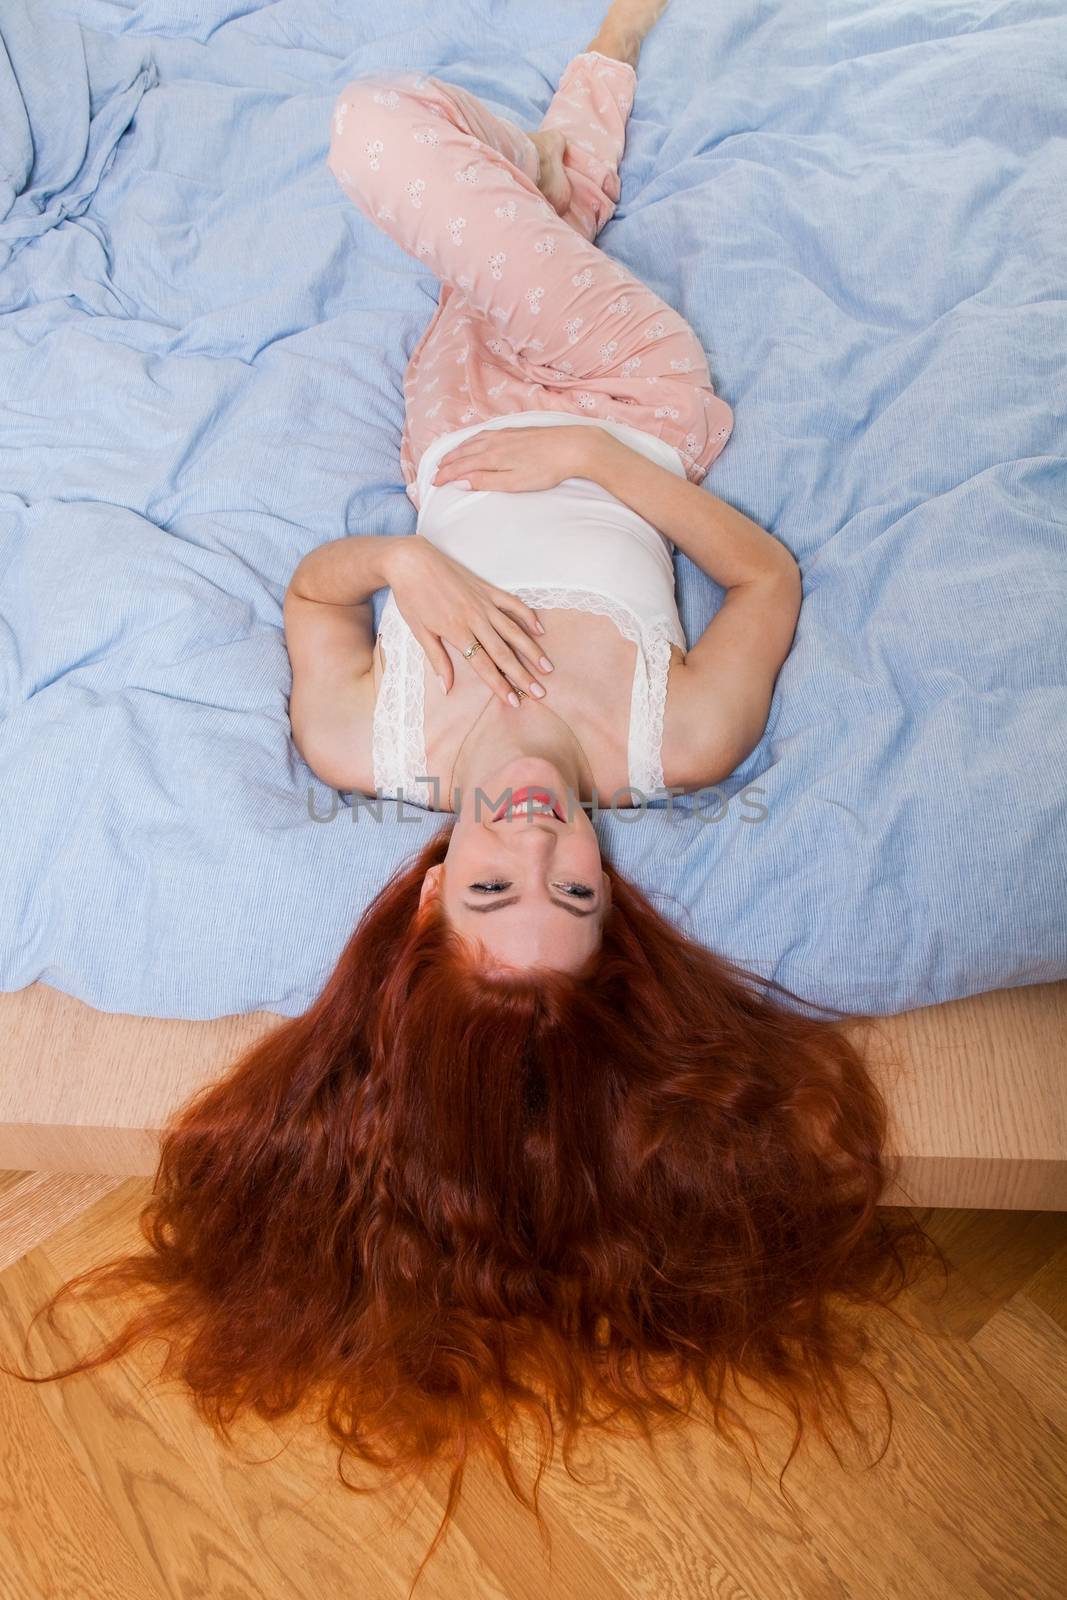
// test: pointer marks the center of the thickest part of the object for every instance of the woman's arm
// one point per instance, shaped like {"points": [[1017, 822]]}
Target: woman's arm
{"points": [[340, 575], [329, 634], [722, 541], [720, 698]]}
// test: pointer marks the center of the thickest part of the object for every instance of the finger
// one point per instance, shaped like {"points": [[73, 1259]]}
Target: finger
{"points": [[505, 480], [508, 662], [461, 464], [513, 606], [521, 643], [459, 469], [470, 447], [488, 478], [481, 446], [483, 664], [438, 657], [486, 437], [461, 453]]}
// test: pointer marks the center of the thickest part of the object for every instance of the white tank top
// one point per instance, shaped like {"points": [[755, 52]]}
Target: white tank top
{"points": [[574, 547]]}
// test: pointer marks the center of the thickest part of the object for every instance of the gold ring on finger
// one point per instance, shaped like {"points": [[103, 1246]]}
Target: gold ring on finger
{"points": [[474, 646]]}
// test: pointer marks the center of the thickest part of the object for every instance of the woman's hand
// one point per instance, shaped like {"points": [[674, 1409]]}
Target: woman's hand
{"points": [[442, 601], [515, 459]]}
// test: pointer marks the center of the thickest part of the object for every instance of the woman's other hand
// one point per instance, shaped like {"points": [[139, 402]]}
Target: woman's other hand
{"points": [[516, 459], [444, 602]]}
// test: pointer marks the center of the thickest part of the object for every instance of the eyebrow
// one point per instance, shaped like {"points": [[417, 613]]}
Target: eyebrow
{"points": [[498, 905]]}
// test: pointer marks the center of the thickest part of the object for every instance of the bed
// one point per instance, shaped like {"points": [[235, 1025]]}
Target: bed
{"points": [[858, 207]]}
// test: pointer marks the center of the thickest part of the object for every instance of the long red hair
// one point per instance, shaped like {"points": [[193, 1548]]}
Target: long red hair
{"points": [[443, 1202]]}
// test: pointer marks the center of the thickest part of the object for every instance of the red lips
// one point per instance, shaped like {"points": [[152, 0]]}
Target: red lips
{"points": [[519, 796]]}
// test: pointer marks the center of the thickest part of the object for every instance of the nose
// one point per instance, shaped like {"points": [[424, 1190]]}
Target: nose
{"points": [[535, 838]]}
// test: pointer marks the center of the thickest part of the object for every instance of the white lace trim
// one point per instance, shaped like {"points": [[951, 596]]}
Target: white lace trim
{"points": [[398, 737]]}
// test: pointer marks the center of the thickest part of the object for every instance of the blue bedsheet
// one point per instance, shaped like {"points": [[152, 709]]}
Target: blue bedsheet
{"points": [[860, 208]]}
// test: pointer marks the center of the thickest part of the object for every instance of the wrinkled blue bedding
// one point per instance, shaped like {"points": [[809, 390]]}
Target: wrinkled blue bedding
{"points": [[859, 207]]}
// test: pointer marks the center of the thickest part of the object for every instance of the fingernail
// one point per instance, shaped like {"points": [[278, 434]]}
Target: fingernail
{"points": [[546, 664], [539, 627], [444, 685], [513, 698], [461, 483], [535, 688]]}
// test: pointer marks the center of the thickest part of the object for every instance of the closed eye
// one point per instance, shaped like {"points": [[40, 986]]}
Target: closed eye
{"points": [[491, 889], [581, 891]]}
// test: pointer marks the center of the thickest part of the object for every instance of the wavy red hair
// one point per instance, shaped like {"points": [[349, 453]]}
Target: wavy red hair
{"points": [[444, 1203]]}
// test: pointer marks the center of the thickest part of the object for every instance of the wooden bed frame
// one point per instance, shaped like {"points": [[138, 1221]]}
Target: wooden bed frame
{"points": [[976, 1089]]}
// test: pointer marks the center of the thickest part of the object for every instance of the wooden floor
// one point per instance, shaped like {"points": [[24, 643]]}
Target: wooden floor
{"points": [[108, 1490]]}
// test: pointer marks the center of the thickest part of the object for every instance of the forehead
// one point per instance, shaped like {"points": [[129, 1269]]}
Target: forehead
{"points": [[524, 937]]}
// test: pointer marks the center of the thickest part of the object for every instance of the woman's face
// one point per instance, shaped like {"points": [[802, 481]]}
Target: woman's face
{"points": [[529, 886]]}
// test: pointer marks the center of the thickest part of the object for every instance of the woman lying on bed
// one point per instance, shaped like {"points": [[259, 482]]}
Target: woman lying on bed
{"points": [[559, 417], [531, 1150]]}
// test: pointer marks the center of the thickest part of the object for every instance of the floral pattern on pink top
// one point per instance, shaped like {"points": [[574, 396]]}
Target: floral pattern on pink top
{"points": [[532, 315]]}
